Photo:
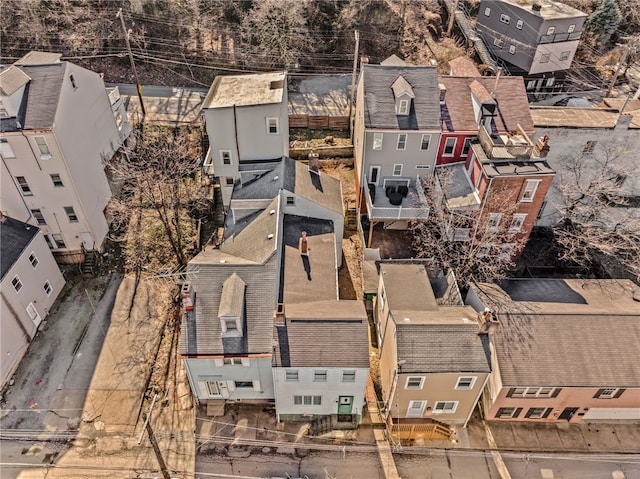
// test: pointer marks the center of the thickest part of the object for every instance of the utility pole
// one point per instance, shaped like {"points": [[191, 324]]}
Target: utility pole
{"points": [[623, 58], [353, 80], [133, 65], [156, 448], [452, 17]]}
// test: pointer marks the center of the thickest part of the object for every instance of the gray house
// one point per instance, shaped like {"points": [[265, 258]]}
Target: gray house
{"points": [[396, 137], [536, 37], [246, 117]]}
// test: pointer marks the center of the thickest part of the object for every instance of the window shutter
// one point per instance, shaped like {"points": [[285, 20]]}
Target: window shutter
{"points": [[219, 362], [510, 392], [547, 412], [256, 385], [600, 391], [619, 393], [231, 385], [529, 412], [517, 412], [555, 392], [204, 391], [246, 362]]}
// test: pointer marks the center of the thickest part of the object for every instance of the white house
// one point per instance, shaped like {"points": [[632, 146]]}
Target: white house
{"points": [[29, 285], [59, 124]]}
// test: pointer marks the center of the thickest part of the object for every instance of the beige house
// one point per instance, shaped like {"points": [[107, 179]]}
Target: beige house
{"points": [[29, 285], [433, 363], [58, 125], [562, 350]]}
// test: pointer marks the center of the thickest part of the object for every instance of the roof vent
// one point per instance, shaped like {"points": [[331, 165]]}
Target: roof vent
{"points": [[275, 178], [270, 236], [406, 320], [223, 261], [272, 212]]}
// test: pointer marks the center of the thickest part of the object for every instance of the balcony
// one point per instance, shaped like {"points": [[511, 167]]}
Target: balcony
{"points": [[559, 37], [506, 147], [412, 206]]}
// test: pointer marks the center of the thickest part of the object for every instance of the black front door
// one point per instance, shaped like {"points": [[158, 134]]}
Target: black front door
{"points": [[568, 413]]}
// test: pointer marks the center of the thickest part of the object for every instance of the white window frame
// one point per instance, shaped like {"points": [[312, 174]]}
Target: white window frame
{"points": [[427, 137], [233, 322], [498, 42], [72, 216], [290, 201], [23, 184], [229, 181], [32, 311], [401, 145], [508, 412], [506, 251], [512, 49], [232, 361], [505, 18], [410, 378], [43, 147], [320, 376], [16, 283], [291, 375], [33, 259], [5, 149], [443, 409], [377, 141], [535, 415], [56, 179], [493, 222], [519, 24], [421, 403], [307, 400], [530, 189], [349, 376], [571, 28], [273, 121], [487, 12], [533, 392], [403, 107], [453, 147], [517, 222], [226, 155], [47, 288], [589, 146], [397, 169], [608, 393], [466, 379], [466, 146], [55, 241], [551, 30], [213, 388], [550, 81]]}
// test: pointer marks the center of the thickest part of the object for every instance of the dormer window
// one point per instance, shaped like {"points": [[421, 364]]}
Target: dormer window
{"points": [[403, 109], [403, 94], [231, 309]]}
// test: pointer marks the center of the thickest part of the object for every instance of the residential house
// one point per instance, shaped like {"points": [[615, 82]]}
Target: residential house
{"points": [[488, 160], [396, 137], [58, 126], [29, 285], [229, 302], [433, 363], [321, 354], [305, 191], [536, 38], [246, 118], [603, 141], [562, 350]]}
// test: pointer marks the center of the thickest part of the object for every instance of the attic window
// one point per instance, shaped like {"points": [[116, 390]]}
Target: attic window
{"points": [[403, 109], [72, 79]]}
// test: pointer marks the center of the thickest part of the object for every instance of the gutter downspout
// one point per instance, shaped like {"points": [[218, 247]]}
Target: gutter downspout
{"points": [[484, 202], [484, 384]]}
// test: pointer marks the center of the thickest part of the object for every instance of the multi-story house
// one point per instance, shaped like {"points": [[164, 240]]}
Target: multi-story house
{"points": [[59, 124], [396, 137], [29, 285], [603, 143], [497, 169], [321, 356], [560, 349], [536, 38], [246, 119], [433, 363]]}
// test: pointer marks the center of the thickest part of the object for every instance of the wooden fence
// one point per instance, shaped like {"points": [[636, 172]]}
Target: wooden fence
{"points": [[324, 122]]}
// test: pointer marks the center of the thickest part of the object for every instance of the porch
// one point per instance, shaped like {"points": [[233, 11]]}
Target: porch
{"points": [[404, 429], [395, 199]]}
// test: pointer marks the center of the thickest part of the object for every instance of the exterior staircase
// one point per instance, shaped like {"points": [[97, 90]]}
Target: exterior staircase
{"points": [[90, 264], [321, 425]]}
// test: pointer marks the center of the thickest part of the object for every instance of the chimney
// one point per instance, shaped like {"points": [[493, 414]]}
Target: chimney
{"points": [[495, 86], [488, 322], [542, 147], [443, 92], [536, 7], [314, 161]]}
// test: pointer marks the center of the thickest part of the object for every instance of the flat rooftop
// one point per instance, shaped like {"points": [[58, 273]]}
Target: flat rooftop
{"points": [[550, 9], [567, 117], [246, 90]]}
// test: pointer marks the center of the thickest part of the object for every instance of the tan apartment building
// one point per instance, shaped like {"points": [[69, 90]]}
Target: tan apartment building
{"points": [[562, 349], [59, 124], [433, 363]]}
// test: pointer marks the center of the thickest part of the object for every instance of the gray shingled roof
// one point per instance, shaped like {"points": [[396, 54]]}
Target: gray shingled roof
{"points": [[440, 348], [43, 94], [379, 102], [557, 332], [39, 58], [250, 255], [15, 236], [232, 299], [327, 334]]}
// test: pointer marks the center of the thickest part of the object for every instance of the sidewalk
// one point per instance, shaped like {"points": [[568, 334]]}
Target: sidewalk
{"points": [[559, 437]]}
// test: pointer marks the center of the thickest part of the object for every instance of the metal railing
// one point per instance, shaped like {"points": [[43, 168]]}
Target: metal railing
{"points": [[399, 212]]}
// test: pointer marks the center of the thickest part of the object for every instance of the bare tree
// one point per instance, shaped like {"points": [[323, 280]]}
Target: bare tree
{"points": [[599, 208], [275, 31], [473, 245], [162, 194]]}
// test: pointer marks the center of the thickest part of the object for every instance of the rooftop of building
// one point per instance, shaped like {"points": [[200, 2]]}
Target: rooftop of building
{"points": [[15, 236], [568, 117], [246, 90], [549, 9]]}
